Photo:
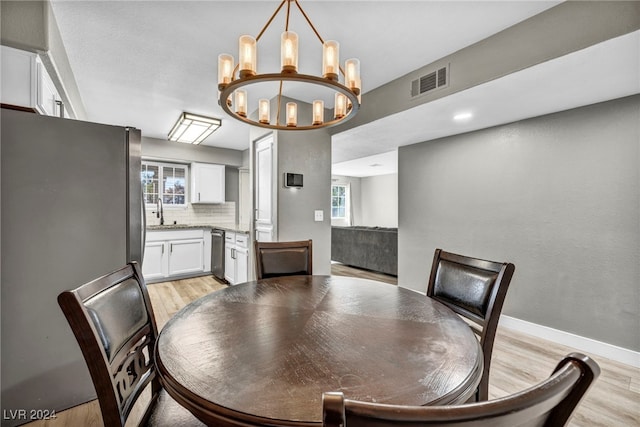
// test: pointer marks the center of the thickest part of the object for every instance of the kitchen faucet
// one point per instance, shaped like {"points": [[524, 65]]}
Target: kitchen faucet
{"points": [[160, 212]]}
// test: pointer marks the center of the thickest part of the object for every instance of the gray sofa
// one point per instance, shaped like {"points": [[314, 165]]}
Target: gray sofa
{"points": [[372, 248]]}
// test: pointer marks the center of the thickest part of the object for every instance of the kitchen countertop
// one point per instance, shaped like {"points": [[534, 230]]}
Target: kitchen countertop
{"points": [[166, 227]]}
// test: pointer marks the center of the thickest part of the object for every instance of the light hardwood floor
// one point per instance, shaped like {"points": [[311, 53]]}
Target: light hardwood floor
{"points": [[518, 361]]}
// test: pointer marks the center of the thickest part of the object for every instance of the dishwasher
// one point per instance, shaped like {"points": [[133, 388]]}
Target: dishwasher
{"points": [[217, 254]]}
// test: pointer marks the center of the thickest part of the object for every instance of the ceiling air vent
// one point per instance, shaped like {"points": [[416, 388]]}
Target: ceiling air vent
{"points": [[431, 81]]}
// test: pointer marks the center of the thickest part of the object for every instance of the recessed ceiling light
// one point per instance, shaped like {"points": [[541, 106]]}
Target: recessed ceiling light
{"points": [[462, 116]]}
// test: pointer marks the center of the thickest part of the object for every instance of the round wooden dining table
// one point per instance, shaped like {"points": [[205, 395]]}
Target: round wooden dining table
{"points": [[263, 352]]}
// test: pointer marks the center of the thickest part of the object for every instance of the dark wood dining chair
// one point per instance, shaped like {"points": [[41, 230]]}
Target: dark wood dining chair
{"points": [[475, 289], [113, 322], [283, 258], [550, 403]]}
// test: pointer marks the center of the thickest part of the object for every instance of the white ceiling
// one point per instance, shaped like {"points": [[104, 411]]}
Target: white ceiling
{"points": [[141, 63], [599, 73], [376, 164]]}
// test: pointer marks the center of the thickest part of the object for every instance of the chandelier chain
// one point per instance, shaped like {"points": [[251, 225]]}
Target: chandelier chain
{"points": [[309, 22], [286, 24], [314, 29], [270, 19]]}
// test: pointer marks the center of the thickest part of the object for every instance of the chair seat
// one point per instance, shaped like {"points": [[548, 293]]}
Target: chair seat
{"points": [[168, 413]]}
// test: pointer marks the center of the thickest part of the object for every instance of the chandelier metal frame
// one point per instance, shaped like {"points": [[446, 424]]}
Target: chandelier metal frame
{"points": [[238, 80]]}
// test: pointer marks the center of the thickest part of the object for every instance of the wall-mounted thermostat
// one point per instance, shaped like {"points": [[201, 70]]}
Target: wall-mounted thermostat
{"points": [[293, 180]]}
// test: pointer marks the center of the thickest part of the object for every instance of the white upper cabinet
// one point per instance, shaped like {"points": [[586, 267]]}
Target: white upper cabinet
{"points": [[26, 83], [18, 77], [207, 183], [48, 99]]}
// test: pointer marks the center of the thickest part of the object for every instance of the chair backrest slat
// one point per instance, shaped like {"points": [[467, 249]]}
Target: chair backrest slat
{"points": [[551, 403], [283, 258], [113, 322]]}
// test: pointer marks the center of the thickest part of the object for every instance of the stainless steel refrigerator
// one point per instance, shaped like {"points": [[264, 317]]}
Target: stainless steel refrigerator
{"points": [[71, 211]]}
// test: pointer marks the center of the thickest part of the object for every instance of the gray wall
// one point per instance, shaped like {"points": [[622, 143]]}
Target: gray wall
{"points": [[308, 153], [558, 195], [154, 148], [231, 184], [161, 149], [24, 25]]}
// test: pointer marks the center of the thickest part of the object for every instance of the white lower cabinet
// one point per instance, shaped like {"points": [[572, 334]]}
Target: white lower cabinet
{"points": [[229, 263], [186, 256], [153, 263], [242, 265], [236, 257], [176, 253]]}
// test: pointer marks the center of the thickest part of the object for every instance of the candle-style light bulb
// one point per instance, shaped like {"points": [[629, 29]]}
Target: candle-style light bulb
{"points": [[352, 75], [240, 102], [318, 112], [289, 52], [292, 114], [247, 57], [330, 60], [225, 70], [263, 111], [340, 107]]}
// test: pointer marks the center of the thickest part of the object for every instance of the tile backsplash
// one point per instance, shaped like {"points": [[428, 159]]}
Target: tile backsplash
{"points": [[222, 214]]}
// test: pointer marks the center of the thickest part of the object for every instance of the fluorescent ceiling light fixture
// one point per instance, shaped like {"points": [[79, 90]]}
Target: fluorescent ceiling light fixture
{"points": [[193, 129], [462, 116]]}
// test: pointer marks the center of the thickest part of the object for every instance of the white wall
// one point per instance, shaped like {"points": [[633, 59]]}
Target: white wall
{"points": [[355, 211], [374, 200], [379, 198]]}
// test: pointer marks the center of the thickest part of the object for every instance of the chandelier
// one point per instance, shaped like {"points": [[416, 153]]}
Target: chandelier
{"points": [[235, 82]]}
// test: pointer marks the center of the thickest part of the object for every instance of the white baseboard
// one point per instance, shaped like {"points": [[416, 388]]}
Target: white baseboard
{"points": [[586, 345]]}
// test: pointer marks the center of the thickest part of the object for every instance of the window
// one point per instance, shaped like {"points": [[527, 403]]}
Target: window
{"points": [[338, 201], [165, 180]]}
